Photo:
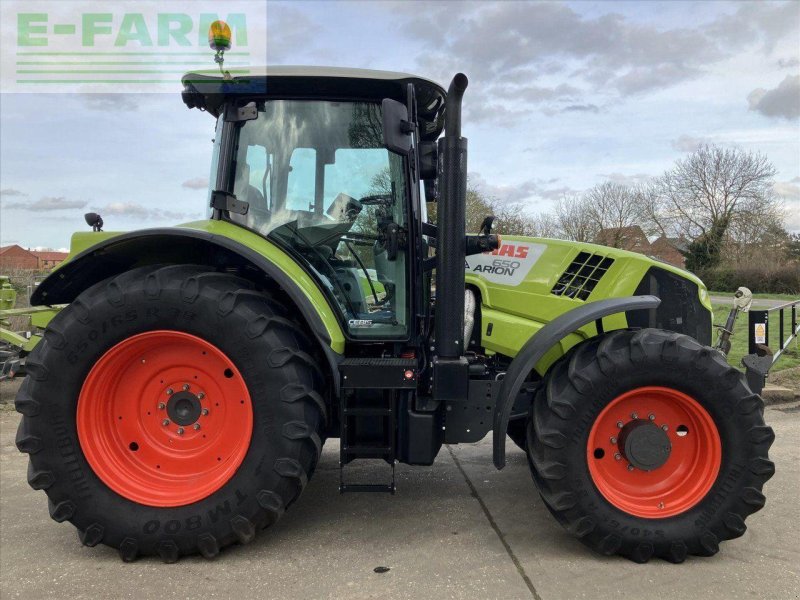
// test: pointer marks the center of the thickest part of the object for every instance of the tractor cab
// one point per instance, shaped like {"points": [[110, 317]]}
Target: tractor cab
{"points": [[323, 163]]}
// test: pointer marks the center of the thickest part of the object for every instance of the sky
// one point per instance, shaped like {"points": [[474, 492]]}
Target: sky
{"points": [[562, 96]]}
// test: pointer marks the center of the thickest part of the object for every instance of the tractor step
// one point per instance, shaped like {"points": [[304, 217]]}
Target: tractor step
{"points": [[387, 488], [378, 373], [368, 431]]}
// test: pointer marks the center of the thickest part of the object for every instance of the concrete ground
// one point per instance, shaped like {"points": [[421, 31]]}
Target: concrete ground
{"points": [[459, 529]]}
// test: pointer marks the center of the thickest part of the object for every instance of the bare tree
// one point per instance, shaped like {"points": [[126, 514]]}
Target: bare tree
{"points": [[574, 219], [709, 193], [613, 206]]}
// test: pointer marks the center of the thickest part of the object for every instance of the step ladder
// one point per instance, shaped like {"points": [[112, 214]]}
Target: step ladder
{"points": [[368, 431], [368, 416]]}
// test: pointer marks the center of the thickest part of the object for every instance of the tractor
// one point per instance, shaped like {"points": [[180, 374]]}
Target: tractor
{"points": [[187, 378]]}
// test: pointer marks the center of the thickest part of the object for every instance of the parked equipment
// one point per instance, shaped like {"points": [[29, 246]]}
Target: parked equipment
{"points": [[180, 401]]}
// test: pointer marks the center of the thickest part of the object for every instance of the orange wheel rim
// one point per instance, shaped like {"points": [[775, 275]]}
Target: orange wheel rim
{"points": [[164, 418], [654, 452]]}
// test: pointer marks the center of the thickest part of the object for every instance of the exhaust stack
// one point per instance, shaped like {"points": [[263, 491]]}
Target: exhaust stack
{"points": [[451, 228]]}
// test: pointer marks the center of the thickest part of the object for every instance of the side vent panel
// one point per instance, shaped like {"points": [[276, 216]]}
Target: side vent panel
{"points": [[582, 275]]}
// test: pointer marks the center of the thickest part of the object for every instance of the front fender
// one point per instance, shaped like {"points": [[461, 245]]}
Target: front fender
{"points": [[538, 345]]}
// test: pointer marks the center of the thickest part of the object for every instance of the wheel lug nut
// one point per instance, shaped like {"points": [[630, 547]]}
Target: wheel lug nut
{"points": [[161, 406], [651, 416], [619, 424], [664, 427], [618, 456], [165, 422], [201, 395], [634, 416], [196, 426], [170, 391], [613, 440], [185, 387], [180, 432], [205, 412], [630, 467]]}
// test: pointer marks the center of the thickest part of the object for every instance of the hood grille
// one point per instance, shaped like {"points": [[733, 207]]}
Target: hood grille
{"points": [[582, 275]]}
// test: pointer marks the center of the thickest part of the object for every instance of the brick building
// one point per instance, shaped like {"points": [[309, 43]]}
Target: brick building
{"points": [[49, 259], [17, 258], [634, 239], [626, 238], [669, 250]]}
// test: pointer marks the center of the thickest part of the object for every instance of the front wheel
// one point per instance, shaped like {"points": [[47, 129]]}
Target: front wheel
{"points": [[171, 411], [647, 444]]}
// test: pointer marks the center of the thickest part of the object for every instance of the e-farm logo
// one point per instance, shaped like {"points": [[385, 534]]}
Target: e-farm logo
{"points": [[123, 46]]}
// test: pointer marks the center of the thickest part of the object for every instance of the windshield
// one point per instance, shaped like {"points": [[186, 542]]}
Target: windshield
{"points": [[318, 180]]}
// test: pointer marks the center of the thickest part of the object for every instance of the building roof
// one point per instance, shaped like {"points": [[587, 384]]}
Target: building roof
{"points": [[626, 237], [5, 249], [679, 243], [49, 255], [624, 231]]}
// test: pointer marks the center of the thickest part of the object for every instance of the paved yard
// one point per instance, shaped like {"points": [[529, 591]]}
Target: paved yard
{"points": [[458, 530]]}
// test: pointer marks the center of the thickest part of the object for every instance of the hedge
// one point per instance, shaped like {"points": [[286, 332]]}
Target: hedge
{"points": [[784, 279]]}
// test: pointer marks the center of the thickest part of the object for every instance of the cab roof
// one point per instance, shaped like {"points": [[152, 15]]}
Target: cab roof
{"points": [[209, 90]]}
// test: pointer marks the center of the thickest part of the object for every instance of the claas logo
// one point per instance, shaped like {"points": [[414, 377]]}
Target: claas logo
{"points": [[511, 250]]}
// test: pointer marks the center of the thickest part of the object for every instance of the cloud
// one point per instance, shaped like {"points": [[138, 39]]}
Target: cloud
{"points": [[623, 179], [789, 190], [527, 190], [11, 192], [47, 203], [788, 63], [593, 108], [551, 57], [196, 183], [688, 143], [139, 212], [295, 31], [780, 102], [110, 102], [759, 23]]}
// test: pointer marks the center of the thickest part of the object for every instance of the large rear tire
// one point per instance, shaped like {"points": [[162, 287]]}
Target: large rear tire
{"points": [[171, 411], [648, 444]]}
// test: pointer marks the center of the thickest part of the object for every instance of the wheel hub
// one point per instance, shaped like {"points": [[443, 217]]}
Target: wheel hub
{"points": [[645, 445], [184, 408]]}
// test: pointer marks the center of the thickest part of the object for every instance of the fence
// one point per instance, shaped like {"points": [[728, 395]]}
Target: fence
{"points": [[761, 353]]}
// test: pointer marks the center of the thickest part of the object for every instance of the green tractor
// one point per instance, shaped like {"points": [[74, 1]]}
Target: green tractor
{"points": [[180, 400]]}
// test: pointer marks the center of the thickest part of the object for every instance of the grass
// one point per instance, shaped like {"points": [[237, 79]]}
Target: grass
{"points": [[787, 297], [789, 359]]}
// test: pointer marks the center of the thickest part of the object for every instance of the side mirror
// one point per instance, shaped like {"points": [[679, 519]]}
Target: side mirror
{"points": [[428, 160], [431, 190], [396, 127]]}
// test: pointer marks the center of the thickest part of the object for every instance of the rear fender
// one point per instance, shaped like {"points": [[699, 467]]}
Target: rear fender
{"points": [[214, 243]]}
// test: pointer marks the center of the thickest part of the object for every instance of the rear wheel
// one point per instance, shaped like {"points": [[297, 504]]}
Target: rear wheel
{"points": [[171, 411], [649, 444]]}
